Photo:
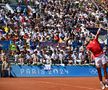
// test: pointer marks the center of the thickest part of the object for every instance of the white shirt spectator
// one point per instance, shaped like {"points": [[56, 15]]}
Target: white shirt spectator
{"points": [[61, 57]]}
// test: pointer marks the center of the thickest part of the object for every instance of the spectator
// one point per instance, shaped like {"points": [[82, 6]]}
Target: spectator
{"points": [[50, 23]]}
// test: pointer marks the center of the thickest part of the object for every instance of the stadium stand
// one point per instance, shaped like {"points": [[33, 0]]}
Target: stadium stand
{"points": [[53, 32]]}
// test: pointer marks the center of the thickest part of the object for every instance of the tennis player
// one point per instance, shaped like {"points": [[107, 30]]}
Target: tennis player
{"points": [[93, 46]]}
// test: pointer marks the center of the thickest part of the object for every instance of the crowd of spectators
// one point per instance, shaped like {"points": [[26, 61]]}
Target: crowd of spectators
{"points": [[50, 31]]}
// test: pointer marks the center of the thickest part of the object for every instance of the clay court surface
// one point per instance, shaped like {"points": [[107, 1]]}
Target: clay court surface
{"points": [[79, 83]]}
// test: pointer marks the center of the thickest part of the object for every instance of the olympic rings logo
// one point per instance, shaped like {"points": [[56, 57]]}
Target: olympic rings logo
{"points": [[93, 71]]}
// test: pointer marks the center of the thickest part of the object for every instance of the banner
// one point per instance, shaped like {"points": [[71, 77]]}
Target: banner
{"points": [[55, 71], [5, 44], [0, 67], [94, 31]]}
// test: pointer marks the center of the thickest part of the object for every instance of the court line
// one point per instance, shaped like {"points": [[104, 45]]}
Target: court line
{"points": [[66, 85]]}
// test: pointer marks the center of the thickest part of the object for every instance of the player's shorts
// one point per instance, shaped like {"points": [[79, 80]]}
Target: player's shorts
{"points": [[101, 60]]}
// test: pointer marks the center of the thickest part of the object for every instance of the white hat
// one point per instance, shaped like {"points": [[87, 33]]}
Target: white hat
{"points": [[35, 50]]}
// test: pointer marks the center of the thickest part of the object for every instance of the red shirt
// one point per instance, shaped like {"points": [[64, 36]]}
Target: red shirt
{"points": [[95, 48]]}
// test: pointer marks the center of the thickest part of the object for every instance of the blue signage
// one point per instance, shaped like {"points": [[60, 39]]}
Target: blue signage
{"points": [[55, 71], [5, 44], [94, 31]]}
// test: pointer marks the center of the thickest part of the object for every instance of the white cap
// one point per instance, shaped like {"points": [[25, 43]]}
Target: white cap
{"points": [[35, 50]]}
